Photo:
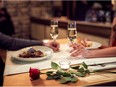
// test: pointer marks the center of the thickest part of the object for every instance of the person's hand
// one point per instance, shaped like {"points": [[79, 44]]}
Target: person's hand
{"points": [[76, 46], [78, 50], [53, 45]]}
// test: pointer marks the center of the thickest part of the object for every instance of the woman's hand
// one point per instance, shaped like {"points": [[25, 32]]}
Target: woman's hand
{"points": [[78, 50], [53, 45], [76, 46]]}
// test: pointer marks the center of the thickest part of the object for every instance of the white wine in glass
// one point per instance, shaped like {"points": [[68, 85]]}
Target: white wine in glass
{"points": [[72, 32], [54, 29]]}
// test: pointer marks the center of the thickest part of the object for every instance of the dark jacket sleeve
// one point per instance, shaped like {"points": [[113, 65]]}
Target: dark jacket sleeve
{"points": [[10, 43]]}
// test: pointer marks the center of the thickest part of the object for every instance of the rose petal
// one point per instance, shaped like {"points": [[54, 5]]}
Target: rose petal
{"points": [[34, 73]]}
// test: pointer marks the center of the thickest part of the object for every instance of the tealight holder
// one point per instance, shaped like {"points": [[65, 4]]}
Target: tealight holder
{"points": [[65, 65]]}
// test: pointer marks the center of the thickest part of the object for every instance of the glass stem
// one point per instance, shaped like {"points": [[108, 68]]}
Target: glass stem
{"points": [[71, 42], [54, 40]]}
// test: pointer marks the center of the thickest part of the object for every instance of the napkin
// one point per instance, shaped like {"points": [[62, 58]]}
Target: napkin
{"points": [[99, 67]]}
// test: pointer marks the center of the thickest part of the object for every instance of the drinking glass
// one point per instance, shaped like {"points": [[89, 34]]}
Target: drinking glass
{"points": [[54, 29], [65, 64], [71, 31]]}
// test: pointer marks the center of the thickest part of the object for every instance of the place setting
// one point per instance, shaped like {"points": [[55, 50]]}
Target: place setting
{"points": [[33, 53], [39, 56]]}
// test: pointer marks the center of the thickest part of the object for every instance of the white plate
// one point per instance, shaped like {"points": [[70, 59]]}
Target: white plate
{"points": [[94, 45], [46, 50]]}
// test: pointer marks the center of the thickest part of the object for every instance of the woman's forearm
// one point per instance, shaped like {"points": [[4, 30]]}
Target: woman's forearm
{"points": [[106, 52]]}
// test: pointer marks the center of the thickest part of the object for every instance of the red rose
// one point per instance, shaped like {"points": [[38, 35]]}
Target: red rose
{"points": [[34, 73]]}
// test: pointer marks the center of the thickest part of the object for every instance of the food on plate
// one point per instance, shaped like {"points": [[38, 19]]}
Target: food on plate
{"points": [[31, 52], [84, 42]]}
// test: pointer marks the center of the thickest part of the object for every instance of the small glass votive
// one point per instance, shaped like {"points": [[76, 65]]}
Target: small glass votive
{"points": [[65, 65]]}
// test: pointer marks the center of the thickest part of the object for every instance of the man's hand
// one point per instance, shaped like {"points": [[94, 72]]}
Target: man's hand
{"points": [[53, 45]]}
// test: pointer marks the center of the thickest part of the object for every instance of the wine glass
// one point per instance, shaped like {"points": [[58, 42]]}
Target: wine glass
{"points": [[71, 31], [54, 29]]}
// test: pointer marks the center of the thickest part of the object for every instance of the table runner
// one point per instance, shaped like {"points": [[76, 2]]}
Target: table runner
{"points": [[15, 67]]}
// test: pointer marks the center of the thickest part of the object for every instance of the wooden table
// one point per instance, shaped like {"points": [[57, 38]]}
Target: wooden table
{"points": [[24, 79]]}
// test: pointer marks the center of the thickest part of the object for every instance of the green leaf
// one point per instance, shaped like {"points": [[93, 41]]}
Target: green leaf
{"points": [[72, 72], [74, 79], [56, 76], [65, 80], [80, 74], [75, 67], [49, 78], [54, 65], [87, 71], [81, 69], [49, 73], [59, 72], [84, 65], [66, 74]]}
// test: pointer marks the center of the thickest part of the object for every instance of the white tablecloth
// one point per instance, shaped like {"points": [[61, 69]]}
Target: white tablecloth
{"points": [[14, 67]]}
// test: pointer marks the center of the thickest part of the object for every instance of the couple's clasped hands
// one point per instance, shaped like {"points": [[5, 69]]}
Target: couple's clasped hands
{"points": [[76, 51]]}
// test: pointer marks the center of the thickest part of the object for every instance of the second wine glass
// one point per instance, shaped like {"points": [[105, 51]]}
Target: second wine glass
{"points": [[54, 29], [71, 31]]}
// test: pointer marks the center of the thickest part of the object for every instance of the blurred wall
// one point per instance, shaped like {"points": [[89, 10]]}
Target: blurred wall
{"points": [[21, 11]]}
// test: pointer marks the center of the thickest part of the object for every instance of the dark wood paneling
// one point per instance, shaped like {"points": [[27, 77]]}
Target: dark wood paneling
{"points": [[98, 31], [103, 31]]}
